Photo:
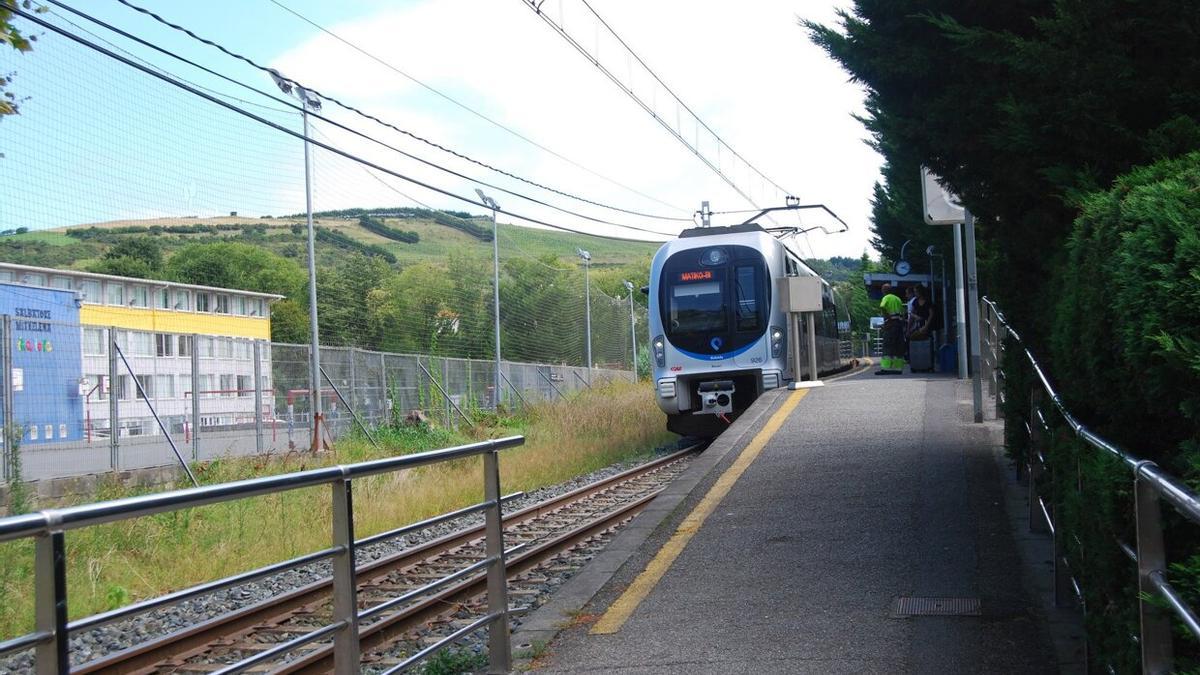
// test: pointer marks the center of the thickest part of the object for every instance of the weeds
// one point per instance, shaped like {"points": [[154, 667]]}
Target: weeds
{"points": [[117, 563]]}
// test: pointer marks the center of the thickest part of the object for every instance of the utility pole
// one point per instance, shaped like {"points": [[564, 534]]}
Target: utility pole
{"points": [[633, 328], [587, 285], [973, 314], [960, 303], [491, 204], [309, 101]]}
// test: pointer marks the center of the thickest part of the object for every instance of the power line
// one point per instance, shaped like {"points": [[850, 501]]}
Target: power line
{"points": [[297, 108], [464, 106], [377, 120], [536, 7], [278, 127]]}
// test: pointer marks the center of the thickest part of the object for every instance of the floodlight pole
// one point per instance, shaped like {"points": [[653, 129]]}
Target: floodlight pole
{"points": [[587, 286], [632, 330], [491, 203]]}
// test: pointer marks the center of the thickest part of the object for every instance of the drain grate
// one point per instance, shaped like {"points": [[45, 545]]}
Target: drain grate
{"points": [[909, 606]]}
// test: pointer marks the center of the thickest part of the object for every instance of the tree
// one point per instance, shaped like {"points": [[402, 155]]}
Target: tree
{"points": [[139, 257], [12, 36], [235, 265]]}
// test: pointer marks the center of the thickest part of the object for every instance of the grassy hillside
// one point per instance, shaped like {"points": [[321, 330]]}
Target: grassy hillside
{"points": [[286, 236]]}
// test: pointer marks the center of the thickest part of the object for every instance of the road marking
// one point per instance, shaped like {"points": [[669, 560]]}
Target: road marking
{"points": [[623, 608]]}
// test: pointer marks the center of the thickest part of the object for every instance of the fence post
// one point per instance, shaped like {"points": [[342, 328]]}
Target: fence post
{"points": [[195, 397], [50, 592], [258, 398], [385, 411], [345, 605], [7, 411], [351, 400], [1155, 636], [446, 388], [114, 406], [1037, 522], [499, 649], [998, 367]]}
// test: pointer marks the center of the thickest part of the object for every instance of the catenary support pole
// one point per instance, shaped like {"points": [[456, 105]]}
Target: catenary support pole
{"points": [[315, 353], [973, 317], [960, 304]]}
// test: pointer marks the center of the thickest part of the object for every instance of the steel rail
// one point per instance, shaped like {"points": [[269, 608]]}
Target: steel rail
{"points": [[195, 639], [383, 633]]}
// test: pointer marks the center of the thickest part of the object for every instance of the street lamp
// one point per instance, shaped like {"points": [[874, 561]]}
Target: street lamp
{"points": [[309, 101], [587, 285], [632, 329], [491, 204]]}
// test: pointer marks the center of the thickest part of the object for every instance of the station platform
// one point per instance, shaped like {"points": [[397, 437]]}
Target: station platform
{"points": [[859, 527]]}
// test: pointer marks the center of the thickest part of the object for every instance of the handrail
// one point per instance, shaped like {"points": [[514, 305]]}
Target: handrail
{"points": [[1151, 484], [47, 527]]}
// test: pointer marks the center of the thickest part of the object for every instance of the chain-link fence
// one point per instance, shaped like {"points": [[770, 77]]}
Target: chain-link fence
{"points": [[82, 399]]}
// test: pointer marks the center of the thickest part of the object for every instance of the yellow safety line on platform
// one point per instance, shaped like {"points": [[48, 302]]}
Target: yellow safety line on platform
{"points": [[623, 608]]}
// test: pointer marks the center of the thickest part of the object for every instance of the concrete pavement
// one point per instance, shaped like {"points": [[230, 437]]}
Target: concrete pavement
{"points": [[872, 489]]}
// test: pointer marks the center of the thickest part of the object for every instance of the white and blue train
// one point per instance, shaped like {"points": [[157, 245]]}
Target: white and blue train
{"points": [[718, 335]]}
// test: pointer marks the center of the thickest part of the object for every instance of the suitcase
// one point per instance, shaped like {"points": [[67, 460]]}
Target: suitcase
{"points": [[920, 356]]}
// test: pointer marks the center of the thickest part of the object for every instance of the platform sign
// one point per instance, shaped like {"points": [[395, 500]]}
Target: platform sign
{"points": [[942, 207]]}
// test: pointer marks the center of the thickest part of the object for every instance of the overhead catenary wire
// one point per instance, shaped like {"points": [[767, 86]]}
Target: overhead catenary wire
{"points": [[467, 108], [385, 123], [278, 127], [316, 115]]}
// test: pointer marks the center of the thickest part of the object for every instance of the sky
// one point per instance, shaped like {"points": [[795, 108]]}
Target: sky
{"points": [[99, 141]]}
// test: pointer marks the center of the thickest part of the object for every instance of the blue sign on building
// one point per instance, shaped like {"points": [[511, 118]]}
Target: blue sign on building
{"points": [[47, 362]]}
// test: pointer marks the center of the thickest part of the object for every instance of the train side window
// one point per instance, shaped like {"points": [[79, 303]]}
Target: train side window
{"points": [[791, 269]]}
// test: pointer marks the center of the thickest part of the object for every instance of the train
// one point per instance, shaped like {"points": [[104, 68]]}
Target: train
{"points": [[718, 335]]}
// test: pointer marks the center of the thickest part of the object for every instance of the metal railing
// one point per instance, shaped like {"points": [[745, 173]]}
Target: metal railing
{"points": [[51, 634], [1151, 485]]}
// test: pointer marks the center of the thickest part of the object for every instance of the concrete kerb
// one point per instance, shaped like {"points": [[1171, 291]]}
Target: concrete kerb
{"points": [[1065, 624], [661, 515]]}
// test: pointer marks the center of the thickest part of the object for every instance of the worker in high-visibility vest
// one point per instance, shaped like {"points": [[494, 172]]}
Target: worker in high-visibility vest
{"points": [[894, 319]]}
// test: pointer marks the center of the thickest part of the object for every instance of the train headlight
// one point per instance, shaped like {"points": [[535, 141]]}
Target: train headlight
{"points": [[660, 352], [777, 336]]}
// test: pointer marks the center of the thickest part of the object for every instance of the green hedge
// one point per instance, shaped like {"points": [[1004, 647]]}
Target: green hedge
{"points": [[1125, 354], [378, 227]]}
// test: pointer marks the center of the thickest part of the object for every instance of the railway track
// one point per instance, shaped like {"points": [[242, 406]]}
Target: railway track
{"points": [[392, 617]]}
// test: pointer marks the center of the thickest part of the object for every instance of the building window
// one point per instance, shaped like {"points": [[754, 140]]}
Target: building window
{"points": [[5, 275], [239, 305], [228, 385], [182, 301], [96, 388], [185, 386], [244, 386], [49, 432], [202, 302], [62, 431], [223, 348], [139, 296], [90, 290], [241, 350], [141, 344], [61, 282], [34, 279], [124, 391], [114, 294], [164, 386], [222, 304], [185, 345], [93, 342], [33, 432], [147, 386], [164, 344], [163, 299]]}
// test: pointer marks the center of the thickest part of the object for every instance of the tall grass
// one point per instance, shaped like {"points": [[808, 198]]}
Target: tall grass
{"points": [[113, 565]]}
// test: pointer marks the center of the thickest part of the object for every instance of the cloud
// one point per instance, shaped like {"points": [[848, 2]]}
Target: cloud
{"points": [[747, 69]]}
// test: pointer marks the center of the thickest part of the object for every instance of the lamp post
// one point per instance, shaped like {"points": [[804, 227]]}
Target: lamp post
{"points": [[309, 101], [491, 204], [632, 330], [587, 285]]}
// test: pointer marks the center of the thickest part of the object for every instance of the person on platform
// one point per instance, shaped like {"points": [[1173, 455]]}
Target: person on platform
{"points": [[895, 319], [923, 316]]}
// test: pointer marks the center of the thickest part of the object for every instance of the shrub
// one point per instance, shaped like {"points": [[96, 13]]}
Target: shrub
{"points": [[378, 227]]}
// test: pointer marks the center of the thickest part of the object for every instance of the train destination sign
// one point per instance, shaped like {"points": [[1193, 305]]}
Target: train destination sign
{"points": [[703, 275]]}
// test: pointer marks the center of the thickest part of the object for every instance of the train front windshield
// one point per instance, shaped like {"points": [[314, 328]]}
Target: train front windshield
{"points": [[714, 301]]}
